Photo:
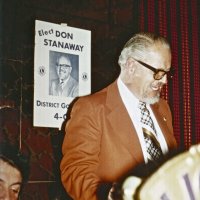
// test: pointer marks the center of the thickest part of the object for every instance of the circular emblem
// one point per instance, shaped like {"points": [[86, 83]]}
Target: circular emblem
{"points": [[42, 70], [85, 76]]}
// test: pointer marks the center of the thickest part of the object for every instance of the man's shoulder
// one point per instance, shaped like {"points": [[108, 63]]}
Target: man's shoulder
{"points": [[100, 96], [105, 91], [55, 81], [73, 81]]}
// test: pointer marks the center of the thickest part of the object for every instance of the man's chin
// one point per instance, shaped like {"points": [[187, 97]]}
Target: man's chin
{"points": [[152, 100]]}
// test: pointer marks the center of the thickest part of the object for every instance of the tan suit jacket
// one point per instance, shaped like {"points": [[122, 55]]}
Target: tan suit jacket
{"points": [[101, 143]]}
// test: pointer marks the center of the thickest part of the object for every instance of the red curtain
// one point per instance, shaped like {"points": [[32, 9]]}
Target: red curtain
{"points": [[178, 21]]}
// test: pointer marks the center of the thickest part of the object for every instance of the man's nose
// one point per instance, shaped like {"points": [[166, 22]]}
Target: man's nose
{"points": [[5, 195], [164, 79]]}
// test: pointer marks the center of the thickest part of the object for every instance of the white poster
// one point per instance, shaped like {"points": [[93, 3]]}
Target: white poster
{"points": [[62, 71]]}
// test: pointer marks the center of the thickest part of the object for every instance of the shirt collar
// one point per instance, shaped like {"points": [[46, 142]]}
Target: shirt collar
{"points": [[63, 82]]}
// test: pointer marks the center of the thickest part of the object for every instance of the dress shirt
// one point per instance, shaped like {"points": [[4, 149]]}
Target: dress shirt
{"points": [[131, 103], [63, 82]]}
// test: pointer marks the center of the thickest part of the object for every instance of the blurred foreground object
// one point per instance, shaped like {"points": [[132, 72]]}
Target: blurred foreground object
{"points": [[176, 179]]}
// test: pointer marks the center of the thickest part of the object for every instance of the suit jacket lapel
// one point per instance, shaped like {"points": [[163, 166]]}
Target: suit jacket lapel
{"points": [[162, 120], [122, 124]]}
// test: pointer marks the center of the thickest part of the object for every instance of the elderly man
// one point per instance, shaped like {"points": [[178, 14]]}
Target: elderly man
{"points": [[122, 126], [65, 85]]}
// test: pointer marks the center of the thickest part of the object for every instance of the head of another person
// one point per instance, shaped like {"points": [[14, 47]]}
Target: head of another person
{"points": [[64, 67], [145, 62], [13, 172]]}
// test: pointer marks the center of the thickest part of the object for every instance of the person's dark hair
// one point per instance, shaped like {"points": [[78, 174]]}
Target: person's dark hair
{"points": [[11, 155]]}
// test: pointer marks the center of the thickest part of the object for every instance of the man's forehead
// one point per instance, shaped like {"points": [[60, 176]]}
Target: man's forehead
{"points": [[64, 60]]}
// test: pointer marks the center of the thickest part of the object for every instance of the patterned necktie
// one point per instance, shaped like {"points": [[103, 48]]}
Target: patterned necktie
{"points": [[152, 145], [60, 88]]}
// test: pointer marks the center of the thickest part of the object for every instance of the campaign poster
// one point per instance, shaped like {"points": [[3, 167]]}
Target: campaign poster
{"points": [[62, 71]]}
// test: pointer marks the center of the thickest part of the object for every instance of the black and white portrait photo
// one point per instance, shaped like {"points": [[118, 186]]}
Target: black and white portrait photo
{"points": [[63, 74]]}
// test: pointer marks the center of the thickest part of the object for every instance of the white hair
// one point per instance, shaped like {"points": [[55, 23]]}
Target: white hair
{"points": [[140, 44]]}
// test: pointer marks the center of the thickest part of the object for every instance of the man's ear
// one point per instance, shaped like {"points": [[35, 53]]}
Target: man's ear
{"points": [[70, 70], [130, 64]]}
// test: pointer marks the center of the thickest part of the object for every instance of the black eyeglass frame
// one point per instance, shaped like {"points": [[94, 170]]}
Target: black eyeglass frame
{"points": [[156, 71], [63, 65]]}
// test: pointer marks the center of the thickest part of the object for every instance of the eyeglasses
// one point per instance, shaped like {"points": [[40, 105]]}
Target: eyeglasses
{"points": [[63, 68], [64, 65], [158, 73]]}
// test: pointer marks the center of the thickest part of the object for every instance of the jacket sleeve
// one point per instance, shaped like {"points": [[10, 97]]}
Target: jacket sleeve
{"points": [[81, 147]]}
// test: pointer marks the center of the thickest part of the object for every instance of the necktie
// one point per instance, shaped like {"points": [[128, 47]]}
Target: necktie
{"points": [[60, 88], [152, 145]]}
